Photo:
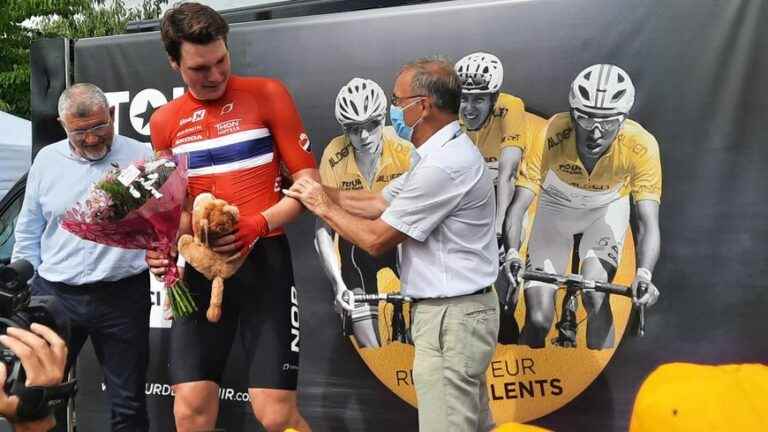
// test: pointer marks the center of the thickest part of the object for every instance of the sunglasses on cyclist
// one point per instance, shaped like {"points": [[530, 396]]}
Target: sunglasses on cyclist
{"points": [[603, 123], [368, 126]]}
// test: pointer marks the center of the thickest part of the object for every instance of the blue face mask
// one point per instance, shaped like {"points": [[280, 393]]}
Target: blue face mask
{"points": [[397, 116]]}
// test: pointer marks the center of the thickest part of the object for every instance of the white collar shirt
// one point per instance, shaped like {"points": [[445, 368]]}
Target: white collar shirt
{"points": [[446, 206]]}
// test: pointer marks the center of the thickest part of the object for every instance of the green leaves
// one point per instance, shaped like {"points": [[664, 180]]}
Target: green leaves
{"points": [[24, 21]]}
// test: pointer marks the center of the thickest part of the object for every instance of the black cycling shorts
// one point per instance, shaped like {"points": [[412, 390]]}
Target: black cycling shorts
{"points": [[260, 305]]}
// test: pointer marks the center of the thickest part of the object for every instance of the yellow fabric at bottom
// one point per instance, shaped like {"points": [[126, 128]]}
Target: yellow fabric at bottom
{"points": [[691, 397]]}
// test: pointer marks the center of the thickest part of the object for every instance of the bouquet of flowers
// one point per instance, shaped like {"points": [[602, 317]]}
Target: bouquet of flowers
{"points": [[138, 207]]}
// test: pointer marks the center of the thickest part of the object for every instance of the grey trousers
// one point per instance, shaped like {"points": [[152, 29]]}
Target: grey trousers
{"points": [[455, 339]]}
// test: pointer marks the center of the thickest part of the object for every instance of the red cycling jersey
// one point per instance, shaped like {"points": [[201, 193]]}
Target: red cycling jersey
{"points": [[237, 143]]}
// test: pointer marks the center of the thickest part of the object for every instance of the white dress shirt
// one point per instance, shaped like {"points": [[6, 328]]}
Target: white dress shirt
{"points": [[446, 206]]}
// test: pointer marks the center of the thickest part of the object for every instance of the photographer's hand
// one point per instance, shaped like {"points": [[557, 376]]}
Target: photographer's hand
{"points": [[41, 351], [9, 405]]}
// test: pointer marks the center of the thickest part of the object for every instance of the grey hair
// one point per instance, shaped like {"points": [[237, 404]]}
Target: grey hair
{"points": [[436, 77], [81, 100]]}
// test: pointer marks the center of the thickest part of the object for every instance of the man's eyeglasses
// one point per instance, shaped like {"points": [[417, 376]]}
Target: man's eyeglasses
{"points": [[604, 124], [358, 128], [77, 136], [395, 100]]}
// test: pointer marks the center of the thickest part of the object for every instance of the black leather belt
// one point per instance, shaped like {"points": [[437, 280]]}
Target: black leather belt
{"points": [[484, 290]]}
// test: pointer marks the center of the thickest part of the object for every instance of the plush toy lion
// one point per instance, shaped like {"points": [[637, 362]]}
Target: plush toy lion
{"points": [[211, 218]]}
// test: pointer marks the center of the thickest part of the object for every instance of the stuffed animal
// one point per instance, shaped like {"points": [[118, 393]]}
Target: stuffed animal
{"points": [[211, 219]]}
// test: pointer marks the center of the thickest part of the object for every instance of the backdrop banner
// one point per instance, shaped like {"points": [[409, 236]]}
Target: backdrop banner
{"points": [[698, 67], [50, 66]]}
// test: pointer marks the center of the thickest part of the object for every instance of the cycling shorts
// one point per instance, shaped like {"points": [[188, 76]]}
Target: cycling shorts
{"points": [[603, 230], [260, 305]]}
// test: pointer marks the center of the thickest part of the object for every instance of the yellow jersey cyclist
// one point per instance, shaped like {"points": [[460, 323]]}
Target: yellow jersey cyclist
{"points": [[366, 157], [495, 122], [584, 168]]}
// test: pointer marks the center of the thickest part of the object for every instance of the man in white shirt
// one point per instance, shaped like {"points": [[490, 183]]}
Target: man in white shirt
{"points": [[442, 212]]}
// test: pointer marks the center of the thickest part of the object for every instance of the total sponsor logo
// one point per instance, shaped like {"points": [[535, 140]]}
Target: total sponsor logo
{"points": [[141, 106]]}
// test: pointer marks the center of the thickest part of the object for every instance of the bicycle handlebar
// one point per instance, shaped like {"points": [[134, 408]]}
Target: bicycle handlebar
{"points": [[375, 298], [576, 281], [579, 282], [398, 322]]}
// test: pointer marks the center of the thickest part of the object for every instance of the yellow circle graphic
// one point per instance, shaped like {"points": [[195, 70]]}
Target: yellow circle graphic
{"points": [[523, 383]]}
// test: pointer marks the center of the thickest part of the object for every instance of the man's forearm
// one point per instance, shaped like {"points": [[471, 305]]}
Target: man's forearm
{"points": [[648, 246], [27, 250], [508, 163], [503, 199], [648, 249], [27, 242], [282, 213], [360, 231], [288, 209], [513, 220], [648, 234], [365, 204]]}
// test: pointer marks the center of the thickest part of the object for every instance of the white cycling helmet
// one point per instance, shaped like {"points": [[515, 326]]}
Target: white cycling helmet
{"points": [[360, 100], [602, 89], [480, 73]]}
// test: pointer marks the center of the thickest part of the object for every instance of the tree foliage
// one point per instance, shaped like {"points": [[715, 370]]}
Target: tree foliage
{"points": [[24, 21]]}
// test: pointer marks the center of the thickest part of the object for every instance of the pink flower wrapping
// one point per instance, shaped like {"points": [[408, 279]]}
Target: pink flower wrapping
{"points": [[152, 226]]}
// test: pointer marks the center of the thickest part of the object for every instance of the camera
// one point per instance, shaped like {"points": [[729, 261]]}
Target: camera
{"points": [[18, 308]]}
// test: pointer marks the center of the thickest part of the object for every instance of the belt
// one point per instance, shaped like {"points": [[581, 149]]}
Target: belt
{"points": [[100, 285], [484, 290]]}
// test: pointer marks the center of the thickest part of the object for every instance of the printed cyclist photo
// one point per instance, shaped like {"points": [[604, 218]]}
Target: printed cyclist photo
{"points": [[573, 278]]}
